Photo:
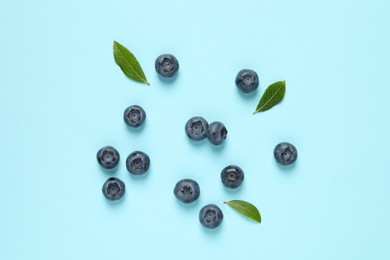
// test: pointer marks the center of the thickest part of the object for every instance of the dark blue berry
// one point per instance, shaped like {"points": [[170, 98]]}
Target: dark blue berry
{"points": [[216, 133], [285, 153], [232, 176], [108, 157], [137, 163], [196, 128], [210, 216], [134, 116], [113, 189], [186, 190], [166, 65], [247, 80]]}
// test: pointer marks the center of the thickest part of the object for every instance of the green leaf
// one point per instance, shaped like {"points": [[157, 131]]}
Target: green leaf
{"points": [[128, 63], [246, 209], [272, 96]]}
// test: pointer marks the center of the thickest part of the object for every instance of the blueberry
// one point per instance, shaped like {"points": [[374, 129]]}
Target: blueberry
{"points": [[137, 163], [247, 80], [232, 176], [166, 65], [113, 189], [210, 216], [186, 190], [285, 153], [108, 157], [134, 116], [196, 128], [216, 133]]}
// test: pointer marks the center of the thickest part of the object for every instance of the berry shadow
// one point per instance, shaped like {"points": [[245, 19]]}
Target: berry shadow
{"points": [[139, 177], [210, 231], [135, 130], [218, 148], [109, 171], [192, 205], [233, 191], [168, 80], [197, 143], [286, 168], [113, 203], [250, 95]]}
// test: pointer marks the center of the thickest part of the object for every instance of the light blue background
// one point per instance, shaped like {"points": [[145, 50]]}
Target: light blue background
{"points": [[62, 97]]}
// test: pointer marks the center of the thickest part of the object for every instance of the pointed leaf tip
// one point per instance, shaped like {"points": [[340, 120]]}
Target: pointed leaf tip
{"points": [[245, 208], [128, 63], [272, 96]]}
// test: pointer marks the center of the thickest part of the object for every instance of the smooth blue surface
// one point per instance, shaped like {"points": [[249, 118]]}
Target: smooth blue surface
{"points": [[62, 97]]}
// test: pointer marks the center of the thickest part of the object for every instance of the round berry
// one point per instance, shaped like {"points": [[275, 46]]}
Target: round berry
{"points": [[196, 128], [285, 153], [232, 176], [210, 216], [216, 133], [137, 163], [108, 157], [186, 190], [166, 65], [113, 189], [134, 116], [247, 80]]}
